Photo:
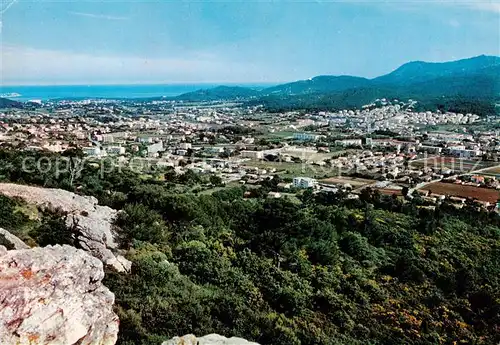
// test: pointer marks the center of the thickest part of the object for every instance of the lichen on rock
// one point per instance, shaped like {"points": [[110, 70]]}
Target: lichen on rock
{"points": [[54, 295]]}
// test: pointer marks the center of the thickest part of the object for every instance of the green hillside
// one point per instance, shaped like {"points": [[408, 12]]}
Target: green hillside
{"points": [[325, 270], [419, 71], [320, 84], [219, 93], [7, 103], [472, 84]]}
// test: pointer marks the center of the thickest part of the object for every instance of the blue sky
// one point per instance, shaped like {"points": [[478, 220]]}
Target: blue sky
{"points": [[118, 42]]}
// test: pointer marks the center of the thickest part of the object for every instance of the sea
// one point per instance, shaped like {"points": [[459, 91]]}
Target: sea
{"points": [[75, 92]]}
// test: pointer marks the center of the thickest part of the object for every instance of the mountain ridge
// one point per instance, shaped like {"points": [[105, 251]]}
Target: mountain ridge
{"points": [[406, 74], [421, 70], [472, 80], [8, 103]]}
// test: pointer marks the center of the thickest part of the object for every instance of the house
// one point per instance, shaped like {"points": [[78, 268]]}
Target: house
{"points": [[477, 179], [349, 142], [108, 139], [430, 149], [305, 137], [274, 195], [185, 146], [462, 152], [214, 149], [92, 151], [145, 140], [154, 149], [115, 150]]}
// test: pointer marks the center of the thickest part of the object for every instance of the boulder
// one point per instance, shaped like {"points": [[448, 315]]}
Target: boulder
{"points": [[91, 223], [211, 339], [13, 242], [54, 296]]}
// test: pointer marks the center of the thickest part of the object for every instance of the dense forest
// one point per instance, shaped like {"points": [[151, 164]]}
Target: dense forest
{"points": [[355, 98], [327, 270]]}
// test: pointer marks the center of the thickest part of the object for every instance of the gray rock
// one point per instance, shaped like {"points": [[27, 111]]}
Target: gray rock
{"points": [[211, 339], [14, 241], [53, 296], [91, 223]]}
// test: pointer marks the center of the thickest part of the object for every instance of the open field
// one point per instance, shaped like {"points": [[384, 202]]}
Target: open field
{"points": [[353, 181], [492, 171], [289, 169], [452, 189], [313, 156], [385, 191], [456, 164], [281, 135]]}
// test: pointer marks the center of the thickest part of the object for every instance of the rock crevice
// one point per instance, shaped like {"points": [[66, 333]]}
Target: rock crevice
{"points": [[91, 223], [12, 241]]}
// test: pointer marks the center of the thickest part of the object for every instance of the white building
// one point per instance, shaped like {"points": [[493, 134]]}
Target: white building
{"points": [[305, 137], [108, 139], [430, 149], [92, 151], [252, 154], [145, 140], [115, 150], [274, 195], [304, 182], [215, 149], [460, 151], [185, 146], [349, 142], [155, 148]]}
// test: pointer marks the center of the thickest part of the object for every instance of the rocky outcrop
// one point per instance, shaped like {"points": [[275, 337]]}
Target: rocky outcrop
{"points": [[211, 339], [91, 223], [11, 241], [53, 296]]}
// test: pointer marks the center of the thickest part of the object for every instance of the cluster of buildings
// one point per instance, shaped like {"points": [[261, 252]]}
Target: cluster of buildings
{"points": [[382, 141], [395, 116]]}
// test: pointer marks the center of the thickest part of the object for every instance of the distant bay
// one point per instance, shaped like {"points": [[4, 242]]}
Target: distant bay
{"points": [[75, 92]]}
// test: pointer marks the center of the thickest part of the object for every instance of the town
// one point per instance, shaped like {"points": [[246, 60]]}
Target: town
{"points": [[386, 146]]}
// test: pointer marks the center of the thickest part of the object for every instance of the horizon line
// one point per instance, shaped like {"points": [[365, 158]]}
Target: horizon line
{"points": [[223, 83], [144, 84]]}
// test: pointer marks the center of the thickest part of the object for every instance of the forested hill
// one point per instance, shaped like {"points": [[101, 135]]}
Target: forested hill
{"points": [[412, 73], [420, 71], [7, 103], [470, 84], [323, 269], [320, 84], [219, 93]]}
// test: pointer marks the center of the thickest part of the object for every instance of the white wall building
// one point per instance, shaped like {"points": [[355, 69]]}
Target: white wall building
{"points": [[185, 146], [115, 150], [252, 154], [349, 142], [155, 148], [304, 182], [92, 151]]}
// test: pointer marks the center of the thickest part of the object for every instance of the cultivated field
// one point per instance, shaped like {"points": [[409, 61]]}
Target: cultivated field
{"points": [[289, 169], [452, 189], [353, 181], [455, 164], [492, 171], [384, 191]]}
